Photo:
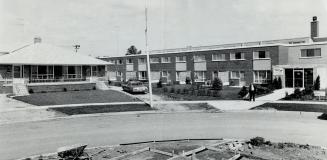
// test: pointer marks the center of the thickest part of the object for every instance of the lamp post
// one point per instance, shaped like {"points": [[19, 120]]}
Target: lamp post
{"points": [[147, 53]]}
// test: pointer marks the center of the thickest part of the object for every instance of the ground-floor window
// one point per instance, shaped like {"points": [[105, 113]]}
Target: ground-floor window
{"points": [[299, 77], [237, 75], [262, 77], [199, 76], [142, 75]]}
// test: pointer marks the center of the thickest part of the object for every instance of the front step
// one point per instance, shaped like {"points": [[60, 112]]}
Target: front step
{"points": [[20, 89]]}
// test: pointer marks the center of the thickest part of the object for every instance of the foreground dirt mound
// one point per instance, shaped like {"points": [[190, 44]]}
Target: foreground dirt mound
{"points": [[205, 149]]}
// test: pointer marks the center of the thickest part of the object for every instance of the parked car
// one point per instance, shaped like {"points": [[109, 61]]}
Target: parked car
{"points": [[135, 87]]}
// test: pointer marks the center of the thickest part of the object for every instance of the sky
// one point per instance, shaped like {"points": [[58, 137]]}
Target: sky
{"points": [[109, 27]]}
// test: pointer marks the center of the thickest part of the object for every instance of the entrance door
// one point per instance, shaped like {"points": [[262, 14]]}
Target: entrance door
{"points": [[18, 71], [289, 78], [298, 78]]}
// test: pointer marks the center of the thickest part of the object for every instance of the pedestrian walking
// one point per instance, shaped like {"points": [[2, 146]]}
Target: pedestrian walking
{"points": [[252, 92]]}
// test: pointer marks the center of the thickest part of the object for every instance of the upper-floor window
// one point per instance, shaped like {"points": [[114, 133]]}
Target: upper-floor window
{"points": [[237, 56], [181, 59], [316, 52], [119, 61], [165, 60], [218, 57], [154, 60], [129, 61], [261, 55], [142, 61], [199, 58]]}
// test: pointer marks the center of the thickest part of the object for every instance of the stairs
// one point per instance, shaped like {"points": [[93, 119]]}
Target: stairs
{"points": [[20, 89], [100, 85]]}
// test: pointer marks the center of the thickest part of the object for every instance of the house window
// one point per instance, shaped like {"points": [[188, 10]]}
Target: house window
{"points": [[129, 61], [199, 76], [237, 75], [262, 77], [142, 61], [261, 55], [119, 61], [118, 74], [237, 56], [181, 59], [199, 58], [218, 57], [142, 75], [165, 60], [154, 60], [311, 53]]}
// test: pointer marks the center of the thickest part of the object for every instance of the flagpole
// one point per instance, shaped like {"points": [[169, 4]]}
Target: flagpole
{"points": [[147, 52]]}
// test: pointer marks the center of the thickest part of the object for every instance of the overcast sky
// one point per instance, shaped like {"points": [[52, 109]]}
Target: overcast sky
{"points": [[109, 27]]}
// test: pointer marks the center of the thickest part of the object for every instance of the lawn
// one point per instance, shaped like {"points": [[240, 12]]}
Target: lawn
{"points": [[102, 109], [227, 93], [293, 107], [76, 97]]}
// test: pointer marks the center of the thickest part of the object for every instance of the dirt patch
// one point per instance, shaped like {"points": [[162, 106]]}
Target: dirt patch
{"points": [[179, 107], [102, 109], [292, 107]]}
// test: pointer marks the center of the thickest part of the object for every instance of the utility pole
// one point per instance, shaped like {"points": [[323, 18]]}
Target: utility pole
{"points": [[77, 46], [147, 52]]}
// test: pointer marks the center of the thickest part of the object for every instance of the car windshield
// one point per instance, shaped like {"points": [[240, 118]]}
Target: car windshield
{"points": [[136, 83]]}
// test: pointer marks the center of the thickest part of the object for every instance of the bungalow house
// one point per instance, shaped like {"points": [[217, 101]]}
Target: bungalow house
{"points": [[50, 67]]}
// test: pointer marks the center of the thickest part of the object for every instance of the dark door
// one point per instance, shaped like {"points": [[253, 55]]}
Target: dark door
{"points": [[308, 77], [289, 78], [58, 72], [298, 78]]}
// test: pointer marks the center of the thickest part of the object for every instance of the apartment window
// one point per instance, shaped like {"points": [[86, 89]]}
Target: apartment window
{"points": [[119, 61], [142, 75], [142, 61], [261, 55], [218, 57], [154, 60], [199, 76], [181, 59], [311, 52], [129, 61], [118, 74], [237, 75], [199, 58], [237, 56], [165, 60], [262, 77]]}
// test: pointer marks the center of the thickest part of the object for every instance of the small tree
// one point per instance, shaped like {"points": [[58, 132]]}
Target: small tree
{"points": [[217, 84], [133, 51], [317, 83], [279, 82], [275, 83], [188, 80], [243, 92]]}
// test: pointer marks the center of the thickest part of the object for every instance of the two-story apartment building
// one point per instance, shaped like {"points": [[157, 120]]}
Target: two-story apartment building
{"points": [[298, 61]]}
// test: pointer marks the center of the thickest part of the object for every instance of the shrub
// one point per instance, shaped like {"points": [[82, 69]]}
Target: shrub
{"points": [[185, 90], [263, 90], [243, 92], [202, 92], [178, 91], [172, 90], [30, 91], [317, 83], [323, 116], [279, 83], [217, 84], [297, 93], [159, 84], [165, 89], [64, 89], [188, 80], [94, 88], [308, 90], [275, 83], [257, 141]]}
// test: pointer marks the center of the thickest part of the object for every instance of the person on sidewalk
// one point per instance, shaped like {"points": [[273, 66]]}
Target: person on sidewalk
{"points": [[252, 92]]}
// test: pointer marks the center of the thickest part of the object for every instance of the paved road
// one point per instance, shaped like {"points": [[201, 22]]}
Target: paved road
{"points": [[30, 138]]}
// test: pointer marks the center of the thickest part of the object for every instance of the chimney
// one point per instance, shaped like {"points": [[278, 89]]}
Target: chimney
{"points": [[37, 40], [314, 27]]}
